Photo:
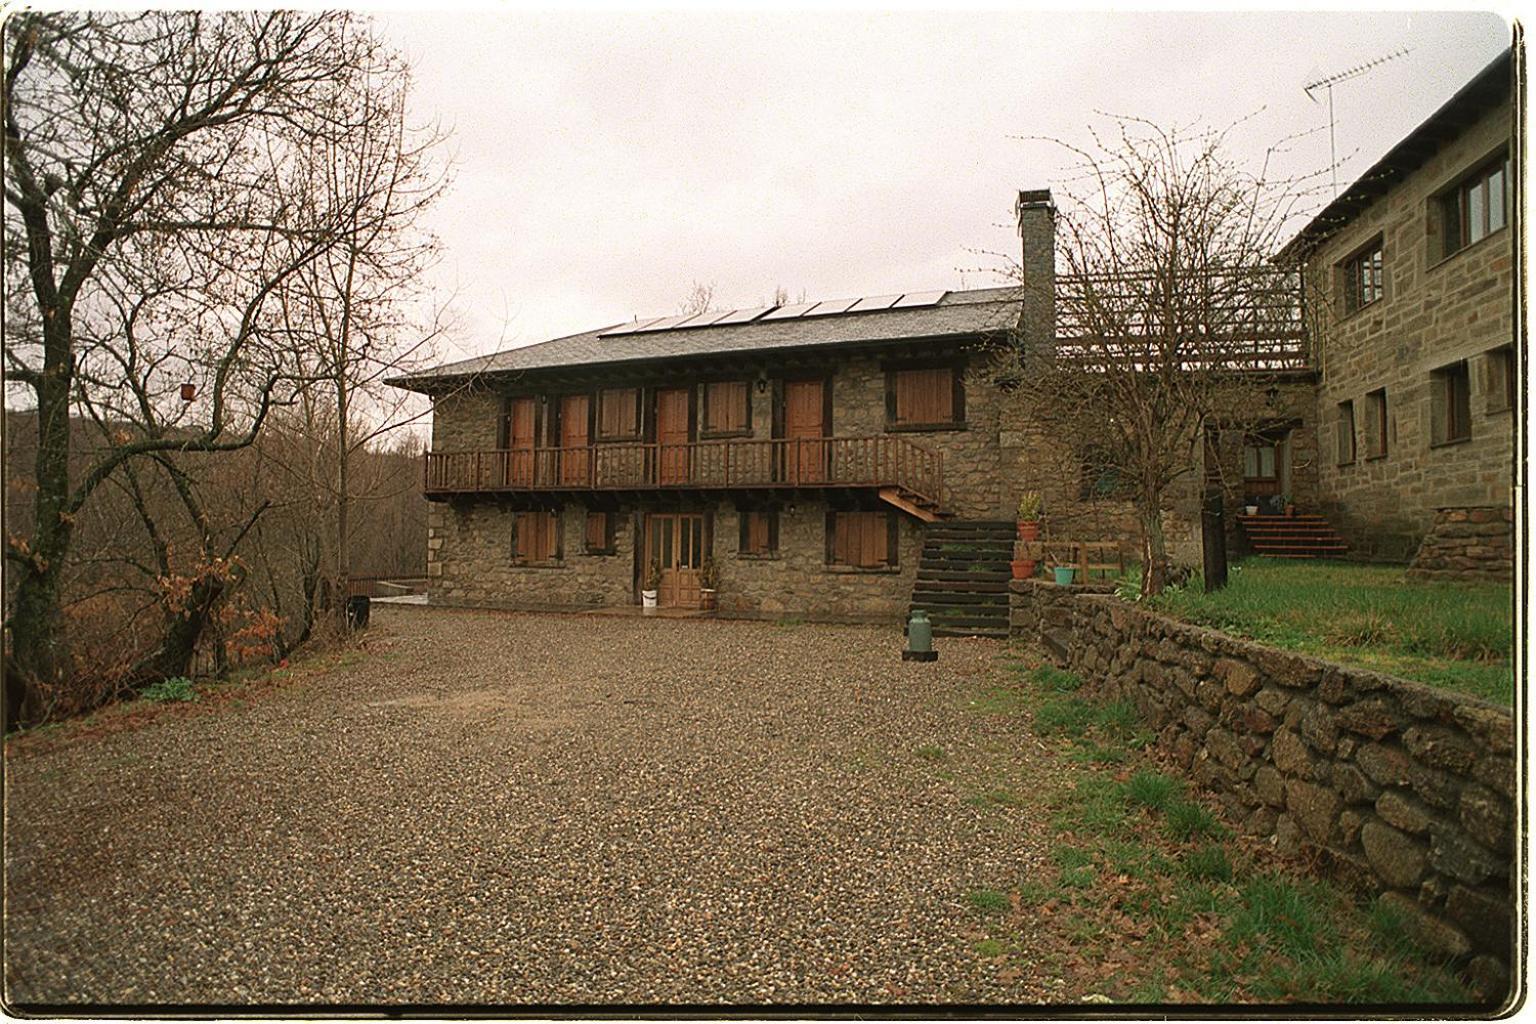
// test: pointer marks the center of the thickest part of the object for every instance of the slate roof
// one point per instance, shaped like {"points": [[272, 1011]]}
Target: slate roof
{"points": [[1490, 87], [958, 314]]}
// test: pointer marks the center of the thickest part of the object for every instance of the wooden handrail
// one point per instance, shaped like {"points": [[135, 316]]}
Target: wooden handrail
{"points": [[880, 461]]}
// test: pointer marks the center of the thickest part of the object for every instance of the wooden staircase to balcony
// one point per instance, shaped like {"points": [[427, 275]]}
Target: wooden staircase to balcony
{"points": [[1299, 536], [962, 577]]}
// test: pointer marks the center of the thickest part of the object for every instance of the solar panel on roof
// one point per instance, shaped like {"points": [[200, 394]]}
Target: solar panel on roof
{"points": [[666, 323], [919, 299], [741, 316], [790, 312], [629, 328], [831, 306], [703, 319], [875, 302]]}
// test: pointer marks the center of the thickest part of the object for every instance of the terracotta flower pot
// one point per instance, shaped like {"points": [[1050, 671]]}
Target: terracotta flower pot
{"points": [[708, 599], [1023, 568], [1029, 529]]}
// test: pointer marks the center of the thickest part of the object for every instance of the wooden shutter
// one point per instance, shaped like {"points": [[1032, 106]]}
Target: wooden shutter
{"points": [[725, 407], [536, 536], [922, 397], [599, 533], [759, 532], [619, 414], [861, 539]]}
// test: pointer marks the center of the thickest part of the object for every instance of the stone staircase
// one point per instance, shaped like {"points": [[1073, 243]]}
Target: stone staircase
{"points": [[962, 577], [1298, 536]]}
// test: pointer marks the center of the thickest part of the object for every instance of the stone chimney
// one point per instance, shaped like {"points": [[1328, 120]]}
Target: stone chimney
{"points": [[1037, 232]]}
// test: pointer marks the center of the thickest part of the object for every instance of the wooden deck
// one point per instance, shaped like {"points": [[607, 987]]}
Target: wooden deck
{"points": [[913, 473]]}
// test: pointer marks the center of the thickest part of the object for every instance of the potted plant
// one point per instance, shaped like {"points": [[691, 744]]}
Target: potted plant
{"points": [[651, 587], [1023, 563], [709, 584], [1290, 509], [1250, 510], [1029, 515]]}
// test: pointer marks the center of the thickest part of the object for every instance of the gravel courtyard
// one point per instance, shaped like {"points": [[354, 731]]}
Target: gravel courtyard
{"points": [[500, 808]]}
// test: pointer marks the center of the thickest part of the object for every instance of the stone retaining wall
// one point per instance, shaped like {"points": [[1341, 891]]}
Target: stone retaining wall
{"points": [[1402, 788], [1468, 544]]}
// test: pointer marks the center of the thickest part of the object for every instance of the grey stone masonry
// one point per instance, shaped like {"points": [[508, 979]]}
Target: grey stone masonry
{"points": [[1468, 544], [1396, 786]]}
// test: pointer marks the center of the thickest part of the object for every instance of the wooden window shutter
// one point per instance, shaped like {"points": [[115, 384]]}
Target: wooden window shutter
{"points": [[725, 407], [618, 413], [599, 533], [924, 397]]}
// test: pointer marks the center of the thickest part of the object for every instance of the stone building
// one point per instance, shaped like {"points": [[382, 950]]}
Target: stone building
{"points": [[1411, 280]]}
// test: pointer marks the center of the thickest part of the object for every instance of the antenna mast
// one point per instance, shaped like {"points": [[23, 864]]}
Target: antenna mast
{"points": [[1329, 81]]}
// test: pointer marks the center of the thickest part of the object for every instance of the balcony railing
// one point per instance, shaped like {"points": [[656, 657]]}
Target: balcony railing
{"points": [[885, 461]]}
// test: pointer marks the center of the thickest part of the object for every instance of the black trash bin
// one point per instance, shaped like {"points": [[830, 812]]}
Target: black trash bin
{"points": [[357, 612]]}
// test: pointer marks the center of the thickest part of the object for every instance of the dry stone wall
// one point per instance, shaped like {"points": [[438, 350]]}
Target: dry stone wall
{"points": [[1401, 788], [1468, 544]]}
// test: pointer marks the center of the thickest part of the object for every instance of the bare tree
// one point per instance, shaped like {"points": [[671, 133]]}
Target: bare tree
{"points": [[700, 299], [1169, 312], [160, 212]]}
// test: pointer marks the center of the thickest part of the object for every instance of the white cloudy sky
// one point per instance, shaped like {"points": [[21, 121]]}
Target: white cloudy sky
{"points": [[605, 161]]}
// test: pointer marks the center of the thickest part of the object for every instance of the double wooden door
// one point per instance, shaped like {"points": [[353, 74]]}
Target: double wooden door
{"points": [[517, 442], [805, 430], [674, 541], [575, 435], [673, 433]]}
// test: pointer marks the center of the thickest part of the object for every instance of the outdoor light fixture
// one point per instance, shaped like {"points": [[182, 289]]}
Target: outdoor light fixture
{"points": [[762, 383], [919, 638], [188, 391]]}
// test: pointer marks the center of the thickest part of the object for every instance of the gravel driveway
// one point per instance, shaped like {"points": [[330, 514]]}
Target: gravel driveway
{"points": [[500, 808]]}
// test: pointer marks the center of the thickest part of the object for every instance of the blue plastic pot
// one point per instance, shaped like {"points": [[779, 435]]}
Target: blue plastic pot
{"points": [[1064, 574]]}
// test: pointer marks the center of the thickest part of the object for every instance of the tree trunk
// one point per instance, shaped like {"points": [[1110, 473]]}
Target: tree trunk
{"points": [[1154, 570]]}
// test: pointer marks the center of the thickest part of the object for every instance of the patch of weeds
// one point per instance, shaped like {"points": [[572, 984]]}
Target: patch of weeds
{"points": [[931, 753], [1077, 870], [1055, 680], [989, 948], [1118, 718], [1153, 789], [986, 901], [1092, 753], [174, 688], [1134, 859], [1063, 716], [1032, 894], [995, 798], [999, 700], [1339, 976], [788, 622], [1096, 807], [1186, 821], [1209, 862], [1281, 915]]}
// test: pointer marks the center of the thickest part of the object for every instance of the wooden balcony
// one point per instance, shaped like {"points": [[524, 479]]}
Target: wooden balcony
{"points": [[883, 463]]}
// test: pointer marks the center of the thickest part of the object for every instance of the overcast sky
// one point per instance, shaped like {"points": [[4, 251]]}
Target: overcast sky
{"points": [[604, 161]]}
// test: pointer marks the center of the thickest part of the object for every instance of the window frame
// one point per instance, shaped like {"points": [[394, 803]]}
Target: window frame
{"points": [[1352, 270], [1502, 377], [892, 561], [1377, 424], [1342, 436], [1444, 381], [609, 545], [1455, 204], [706, 428], [557, 527], [639, 431], [956, 421], [744, 531]]}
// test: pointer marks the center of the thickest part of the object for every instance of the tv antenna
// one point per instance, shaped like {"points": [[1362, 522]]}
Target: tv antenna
{"points": [[1328, 82]]}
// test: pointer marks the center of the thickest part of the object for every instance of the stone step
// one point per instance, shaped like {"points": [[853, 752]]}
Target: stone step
{"points": [[964, 575], [989, 634], [976, 602], [963, 565], [923, 586]]}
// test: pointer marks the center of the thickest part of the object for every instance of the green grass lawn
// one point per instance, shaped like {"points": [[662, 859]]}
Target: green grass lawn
{"points": [[1458, 636]]}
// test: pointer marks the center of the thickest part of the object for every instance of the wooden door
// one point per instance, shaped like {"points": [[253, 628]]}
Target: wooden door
{"points": [[518, 441], [805, 428], [672, 435], [575, 456], [675, 543], [1266, 469]]}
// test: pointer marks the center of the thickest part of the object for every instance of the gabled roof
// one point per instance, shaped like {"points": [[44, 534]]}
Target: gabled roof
{"points": [[958, 314], [1490, 87]]}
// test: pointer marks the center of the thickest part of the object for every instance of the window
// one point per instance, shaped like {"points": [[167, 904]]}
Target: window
{"points": [[1259, 460], [599, 533], [1363, 278], [861, 540], [1502, 378], [924, 398], [1346, 427], [1477, 207], [727, 408], [536, 536], [759, 532], [618, 417], [1450, 404], [1376, 424]]}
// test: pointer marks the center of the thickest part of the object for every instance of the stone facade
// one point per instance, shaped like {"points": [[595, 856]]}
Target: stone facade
{"points": [[470, 564], [1399, 787], [1436, 310], [1468, 544]]}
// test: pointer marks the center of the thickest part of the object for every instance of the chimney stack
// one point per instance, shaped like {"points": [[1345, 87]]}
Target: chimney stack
{"points": [[1037, 265]]}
